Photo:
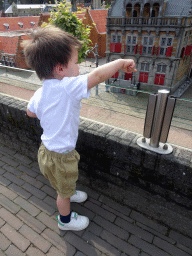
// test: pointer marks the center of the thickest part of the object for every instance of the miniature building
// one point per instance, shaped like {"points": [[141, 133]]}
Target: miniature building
{"points": [[157, 34]]}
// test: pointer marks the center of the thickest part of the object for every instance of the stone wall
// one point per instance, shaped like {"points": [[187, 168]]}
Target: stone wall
{"points": [[111, 161]]}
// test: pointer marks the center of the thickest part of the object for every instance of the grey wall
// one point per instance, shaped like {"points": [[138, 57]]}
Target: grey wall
{"points": [[111, 161]]}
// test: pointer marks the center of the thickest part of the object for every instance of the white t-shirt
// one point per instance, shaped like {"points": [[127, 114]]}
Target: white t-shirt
{"points": [[57, 105]]}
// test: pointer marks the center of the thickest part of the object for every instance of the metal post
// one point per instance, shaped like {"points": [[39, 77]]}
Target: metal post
{"points": [[158, 118]]}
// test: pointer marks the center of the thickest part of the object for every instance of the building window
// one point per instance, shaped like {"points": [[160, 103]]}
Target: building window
{"points": [[166, 46], [6, 25], [147, 45], [131, 44], [115, 45], [160, 75], [20, 24], [32, 23], [116, 39], [144, 74]]}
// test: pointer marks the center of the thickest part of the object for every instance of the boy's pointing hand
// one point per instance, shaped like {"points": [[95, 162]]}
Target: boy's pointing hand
{"points": [[129, 66]]}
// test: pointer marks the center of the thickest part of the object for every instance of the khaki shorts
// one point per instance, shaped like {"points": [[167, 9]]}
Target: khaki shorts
{"points": [[60, 169]]}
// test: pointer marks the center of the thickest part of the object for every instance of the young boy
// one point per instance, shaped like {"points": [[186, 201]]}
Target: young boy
{"points": [[53, 54]]}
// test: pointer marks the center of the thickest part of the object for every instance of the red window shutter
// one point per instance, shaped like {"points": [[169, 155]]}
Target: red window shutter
{"points": [[141, 77], [169, 51], [141, 50], [157, 77], [146, 77], [118, 47], [128, 76], [158, 51], [136, 48], [112, 47], [153, 50], [188, 50], [116, 75], [162, 79]]}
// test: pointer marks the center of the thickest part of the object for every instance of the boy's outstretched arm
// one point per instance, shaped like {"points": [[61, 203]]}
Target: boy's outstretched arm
{"points": [[31, 114], [106, 71]]}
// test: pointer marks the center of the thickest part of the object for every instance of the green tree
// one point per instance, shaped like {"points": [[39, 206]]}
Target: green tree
{"points": [[68, 21]]}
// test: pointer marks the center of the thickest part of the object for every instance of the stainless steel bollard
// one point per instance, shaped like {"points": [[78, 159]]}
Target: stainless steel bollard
{"points": [[158, 118]]}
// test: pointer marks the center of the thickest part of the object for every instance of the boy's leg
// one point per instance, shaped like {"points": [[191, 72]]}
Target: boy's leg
{"points": [[63, 205]]}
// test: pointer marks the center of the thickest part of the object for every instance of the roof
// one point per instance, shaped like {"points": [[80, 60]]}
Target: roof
{"points": [[32, 6], [80, 15], [15, 21], [8, 44], [178, 8], [99, 17]]}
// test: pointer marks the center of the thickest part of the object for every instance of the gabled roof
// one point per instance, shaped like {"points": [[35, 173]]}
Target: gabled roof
{"points": [[99, 17], [8, 44], [15, 23], [178, 8]]}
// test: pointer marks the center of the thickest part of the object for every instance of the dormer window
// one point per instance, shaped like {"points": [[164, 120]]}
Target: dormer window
{"points": [[32, 23], [6, 26], [20, 24]]}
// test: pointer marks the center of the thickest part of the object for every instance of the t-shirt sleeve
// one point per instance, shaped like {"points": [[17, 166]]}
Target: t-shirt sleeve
{"points": [[32, 105], [76, 87]]}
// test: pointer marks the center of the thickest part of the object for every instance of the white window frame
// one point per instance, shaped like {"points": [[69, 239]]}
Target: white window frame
{"points": [[116, 37], [148, 47], [163, 48], [131, 45], [146, 67]]}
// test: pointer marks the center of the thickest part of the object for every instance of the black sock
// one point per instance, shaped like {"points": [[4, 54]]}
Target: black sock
{"points": [[65, 219]]}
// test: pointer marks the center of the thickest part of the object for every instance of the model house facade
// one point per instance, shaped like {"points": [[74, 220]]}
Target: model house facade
{"points": [[157, 35]]}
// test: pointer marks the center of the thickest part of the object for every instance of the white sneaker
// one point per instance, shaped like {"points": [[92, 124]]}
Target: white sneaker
{"points": [[79, 197], [77, 222]]}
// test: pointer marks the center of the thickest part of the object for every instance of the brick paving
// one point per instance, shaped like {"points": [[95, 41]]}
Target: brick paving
{"points": [[28, 223]]}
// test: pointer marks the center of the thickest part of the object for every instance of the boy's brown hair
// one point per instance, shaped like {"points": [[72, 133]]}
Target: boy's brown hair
{"points": [[48, 47]]}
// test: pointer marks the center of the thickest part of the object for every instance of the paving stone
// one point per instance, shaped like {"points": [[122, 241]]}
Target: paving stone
{"points": [[21, 242], [94, 201], [7, 192], [4, 242], [32, 251], [50, 222], [35, 238], [22, 158], [100, 211], [79, 254], [35, 224], [184, 248], [168, 247], [121, 233], [9, 161], [91, 193], [54, 252], [27, 171], [2, 170], [43, 180], [41, 205], [181, 239], [10, 218], [32, 181], [13, 251], [100, 244], [19, 191], [146, 247], [50, 201], [94, 228], [13, 178], [2, 222], [34, 191], [59, 242], [81, 245], [119, 244], [133, 229], [4, 149], [10, 206], [1, 163], [144, 254], [117, 213], [81, 210], [148, 222], [13, 170], [152, 231], [116, 206], [50, 191], [27, 206], [4, 181]]}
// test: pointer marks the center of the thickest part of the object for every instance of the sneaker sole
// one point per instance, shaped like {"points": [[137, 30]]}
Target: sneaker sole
{"points": [[80, 201], [74, 229]]}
